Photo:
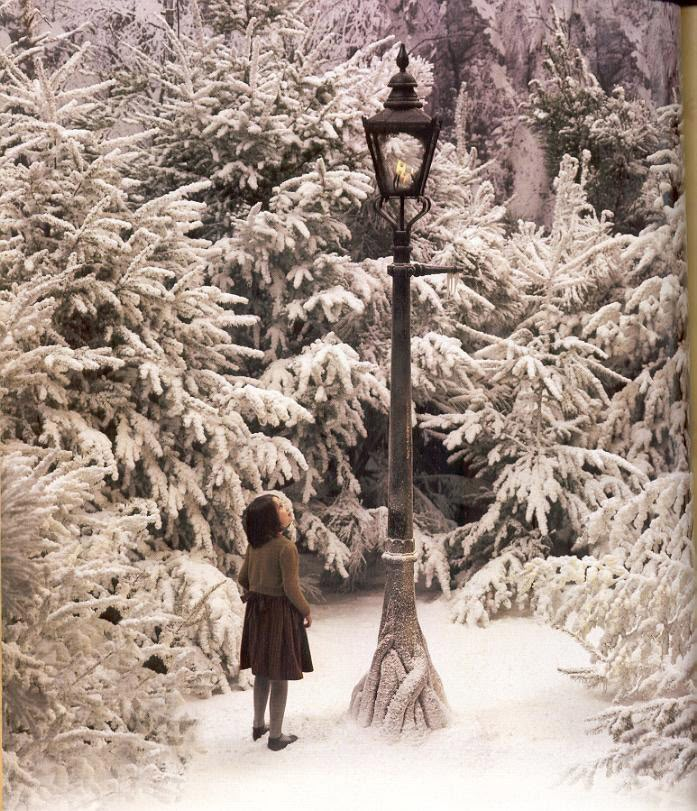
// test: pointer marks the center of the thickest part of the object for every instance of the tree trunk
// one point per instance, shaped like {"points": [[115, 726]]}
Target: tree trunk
{"points": [[402, 690]]}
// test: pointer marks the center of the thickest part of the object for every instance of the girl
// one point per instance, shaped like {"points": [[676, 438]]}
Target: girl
{"points": [[274, 640]]}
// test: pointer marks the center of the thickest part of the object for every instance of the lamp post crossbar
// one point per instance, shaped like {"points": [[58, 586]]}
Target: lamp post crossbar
{"points": [[419, 269]]}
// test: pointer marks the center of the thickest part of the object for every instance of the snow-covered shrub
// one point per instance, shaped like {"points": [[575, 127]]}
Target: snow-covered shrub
{"points": [[333, 529], [441, 370], [432, 561], [494, 586], [209, 615], [638, 591], [336, 528], [85, 707], [233, 17]]}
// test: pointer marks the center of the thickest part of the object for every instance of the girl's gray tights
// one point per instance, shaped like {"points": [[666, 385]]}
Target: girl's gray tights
{"points": [[278, 688]]}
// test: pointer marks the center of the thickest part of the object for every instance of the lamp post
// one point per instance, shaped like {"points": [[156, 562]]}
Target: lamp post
{"points": [[401, 690]]}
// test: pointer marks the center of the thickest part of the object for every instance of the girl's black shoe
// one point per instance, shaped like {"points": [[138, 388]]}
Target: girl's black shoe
{"points": [[257, 732], [281, 742]]}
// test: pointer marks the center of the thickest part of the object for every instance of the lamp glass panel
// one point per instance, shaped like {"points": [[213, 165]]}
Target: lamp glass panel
{"points": [[402, 161]]}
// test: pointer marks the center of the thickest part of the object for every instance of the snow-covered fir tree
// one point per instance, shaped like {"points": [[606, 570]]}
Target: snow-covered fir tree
{"points": [[125, 422], [82, 705], [80, 615], [276, 131], [642, 330], [572, 113], [169, 417], [630, 603], [627, 593], [232, 17], [466, 229], [531, 418], [635, 582]]}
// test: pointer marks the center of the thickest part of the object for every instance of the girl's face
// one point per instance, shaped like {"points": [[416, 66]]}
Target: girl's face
{"points": [[284, 516]]}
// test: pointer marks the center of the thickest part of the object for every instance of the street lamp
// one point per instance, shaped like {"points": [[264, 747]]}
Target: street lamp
{"points": [[402, 139], [401, 690]]}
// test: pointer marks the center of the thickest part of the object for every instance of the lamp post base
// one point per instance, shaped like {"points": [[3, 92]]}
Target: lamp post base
{"points": [[402, 690]]}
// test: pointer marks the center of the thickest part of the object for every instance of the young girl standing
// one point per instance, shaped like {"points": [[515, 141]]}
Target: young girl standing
{"points": [[274, 639]]}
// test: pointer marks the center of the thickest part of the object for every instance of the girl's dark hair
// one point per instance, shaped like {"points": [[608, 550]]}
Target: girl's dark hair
{"points": [[261, 520]]}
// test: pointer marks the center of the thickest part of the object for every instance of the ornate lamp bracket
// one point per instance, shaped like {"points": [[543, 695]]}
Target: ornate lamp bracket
{"points": [[401, 247], [420, 269]]}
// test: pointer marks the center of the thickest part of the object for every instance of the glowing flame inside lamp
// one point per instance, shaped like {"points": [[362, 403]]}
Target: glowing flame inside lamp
{"points": [[402, 175]]}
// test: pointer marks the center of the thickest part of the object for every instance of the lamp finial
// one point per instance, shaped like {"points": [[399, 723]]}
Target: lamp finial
{"points": [[402, 58]]}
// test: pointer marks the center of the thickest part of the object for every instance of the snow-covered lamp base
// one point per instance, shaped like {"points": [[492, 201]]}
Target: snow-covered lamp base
{"points": [[402, 690]]}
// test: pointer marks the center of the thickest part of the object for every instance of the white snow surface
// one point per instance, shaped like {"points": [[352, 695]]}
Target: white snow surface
{"points": [[517, 724]]}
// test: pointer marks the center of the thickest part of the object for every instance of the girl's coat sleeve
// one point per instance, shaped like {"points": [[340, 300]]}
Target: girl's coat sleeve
{"points": [[290, 571]]}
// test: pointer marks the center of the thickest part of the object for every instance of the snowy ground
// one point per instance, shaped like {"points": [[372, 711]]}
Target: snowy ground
{"points": [[517, 725]]}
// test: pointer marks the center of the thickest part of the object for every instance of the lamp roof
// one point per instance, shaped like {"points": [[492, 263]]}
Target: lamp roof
{"points": [[402, 110], [403, 94]]}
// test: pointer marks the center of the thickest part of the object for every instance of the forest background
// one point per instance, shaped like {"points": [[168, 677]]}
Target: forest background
{"points": [[195, 307]]}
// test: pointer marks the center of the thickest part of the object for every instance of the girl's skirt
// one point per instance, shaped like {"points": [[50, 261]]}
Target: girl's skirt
{"points": [[274, 639]]}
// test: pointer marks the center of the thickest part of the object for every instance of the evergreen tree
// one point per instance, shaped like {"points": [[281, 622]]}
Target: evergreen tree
{"points": [[637, 586], [232, 17], [125, 431], [253, 114], [466, 229], [79, 618], [280, 138], [277, 134], [82, 708], [169, 417], [636, 581], [573, 113], [531, 419], [643, 330]]}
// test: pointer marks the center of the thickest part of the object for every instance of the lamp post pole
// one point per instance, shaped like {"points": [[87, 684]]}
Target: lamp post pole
{"points": [[401, 689]]}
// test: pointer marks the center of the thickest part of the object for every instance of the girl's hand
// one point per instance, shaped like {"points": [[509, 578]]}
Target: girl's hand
{"points": [[307, 621]]}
